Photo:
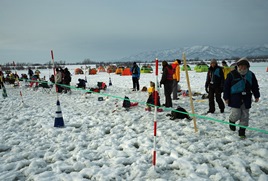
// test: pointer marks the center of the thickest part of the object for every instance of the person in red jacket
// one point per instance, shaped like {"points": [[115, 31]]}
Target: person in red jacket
{"points": [[167, 81]]}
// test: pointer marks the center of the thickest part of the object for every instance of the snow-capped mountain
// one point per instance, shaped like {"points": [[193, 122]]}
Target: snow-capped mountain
{"points": [[200, 52]]}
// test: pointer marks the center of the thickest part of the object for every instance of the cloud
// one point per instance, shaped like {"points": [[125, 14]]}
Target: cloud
{"points": [[114, 29]]}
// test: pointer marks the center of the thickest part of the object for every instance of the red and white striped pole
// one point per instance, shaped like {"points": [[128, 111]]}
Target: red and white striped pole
{"points": [[155, 110], [52, 56], [59, 122], [54, 70]]}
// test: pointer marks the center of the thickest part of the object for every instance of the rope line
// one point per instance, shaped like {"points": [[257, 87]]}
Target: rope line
{"points": [[144, 103]]}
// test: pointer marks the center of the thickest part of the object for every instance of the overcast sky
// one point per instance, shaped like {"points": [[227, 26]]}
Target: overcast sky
{"points": [[112, 29]]}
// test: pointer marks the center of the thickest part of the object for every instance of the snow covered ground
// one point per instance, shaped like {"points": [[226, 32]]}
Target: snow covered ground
{"points": [[103, 141]]}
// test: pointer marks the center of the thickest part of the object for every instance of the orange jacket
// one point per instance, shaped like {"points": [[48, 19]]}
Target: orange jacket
{"points": [[177, 73]]}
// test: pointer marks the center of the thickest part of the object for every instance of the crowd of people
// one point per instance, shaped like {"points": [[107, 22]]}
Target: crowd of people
{"points": [[63, 76], [237, 85], [233, 88]]}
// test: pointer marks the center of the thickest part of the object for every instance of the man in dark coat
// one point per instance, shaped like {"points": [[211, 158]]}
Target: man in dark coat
{"points": [[214, 86], [30, 72], [239, 86], [135, 70], [66, 79], [167, 80]]}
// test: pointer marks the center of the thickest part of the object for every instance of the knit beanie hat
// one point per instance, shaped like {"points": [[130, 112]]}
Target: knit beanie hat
{"points": [[213, 61], [243, 61]]}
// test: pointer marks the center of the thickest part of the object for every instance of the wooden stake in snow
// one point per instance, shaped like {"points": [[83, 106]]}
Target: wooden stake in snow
{"points": [[189, 89], [155, 110]]}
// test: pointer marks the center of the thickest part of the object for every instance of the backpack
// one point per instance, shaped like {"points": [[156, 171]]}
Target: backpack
{"points": [[126, 102], [179, 114], [238, 83]]}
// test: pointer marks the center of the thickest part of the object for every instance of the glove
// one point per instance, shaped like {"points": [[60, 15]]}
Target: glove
{"points": [[207, 90]]}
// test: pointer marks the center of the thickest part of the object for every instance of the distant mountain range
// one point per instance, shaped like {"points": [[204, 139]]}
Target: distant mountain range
{"points": [[200, 53]]}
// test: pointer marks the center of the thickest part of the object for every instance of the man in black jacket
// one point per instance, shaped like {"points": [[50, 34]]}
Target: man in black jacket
{"points": [[214, 86]]}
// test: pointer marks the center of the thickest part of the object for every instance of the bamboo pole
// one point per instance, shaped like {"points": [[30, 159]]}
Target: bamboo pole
{"points": [[189, 90]]}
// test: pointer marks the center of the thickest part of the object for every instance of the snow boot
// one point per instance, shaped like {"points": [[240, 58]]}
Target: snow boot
{"points": [[232, 127], [148, 109], [242, 133]]}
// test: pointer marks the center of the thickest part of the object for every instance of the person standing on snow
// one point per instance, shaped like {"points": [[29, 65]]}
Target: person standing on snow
{"points": [[58, 79], [225, 68], [239, 86], [176, 78], [66, 79], [30, 73], [214, 86], [167, 81], [1, 78], [135, 70]]}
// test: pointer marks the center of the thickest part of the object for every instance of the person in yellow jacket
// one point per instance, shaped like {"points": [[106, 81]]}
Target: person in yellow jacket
{"points": [[225, 68], [176, 78]]}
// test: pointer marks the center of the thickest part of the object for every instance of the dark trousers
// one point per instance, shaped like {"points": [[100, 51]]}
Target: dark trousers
{"points": [[215, 92], [175, 89], [167, 91], [66, 89], [136, 85], [1, 84]]}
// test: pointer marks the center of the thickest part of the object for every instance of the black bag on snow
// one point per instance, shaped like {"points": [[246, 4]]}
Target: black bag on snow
{"points": [[179, 114], [126, 102]]}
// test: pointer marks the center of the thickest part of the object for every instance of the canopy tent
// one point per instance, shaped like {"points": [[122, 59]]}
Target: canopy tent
{"points": [[126, 72], [111, 69], [92, 71], [101, 69], [188, 67], [146, 69], [119, 70], [202, 67], [78, 71]]}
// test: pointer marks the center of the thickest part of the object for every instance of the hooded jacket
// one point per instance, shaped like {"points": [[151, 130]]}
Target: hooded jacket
{"points": [[215, 77], [135, 70], [238, 96], [176, 75], [167, 75]]}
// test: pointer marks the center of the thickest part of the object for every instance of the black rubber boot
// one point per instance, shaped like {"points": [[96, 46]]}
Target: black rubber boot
{"points": [[242, 133], [232, 127]]}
